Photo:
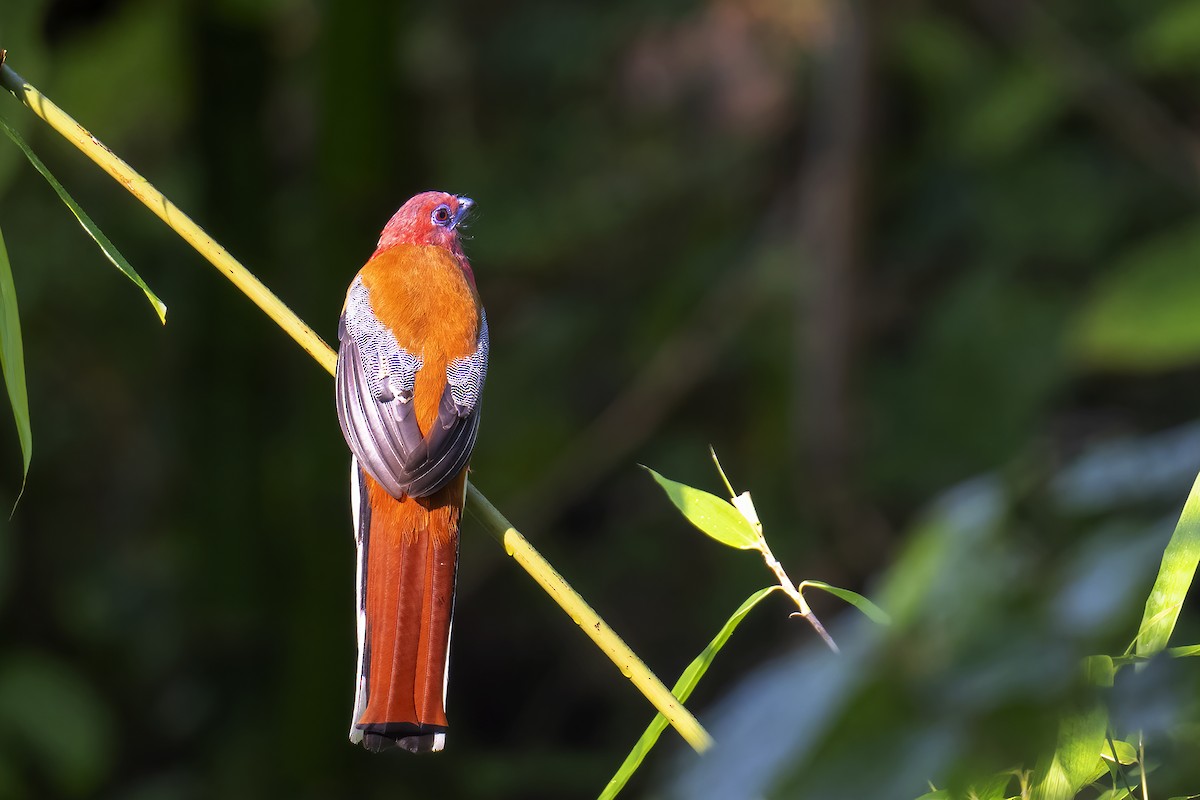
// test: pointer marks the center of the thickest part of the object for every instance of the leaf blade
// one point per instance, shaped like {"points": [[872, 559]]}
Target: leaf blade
{"points": [[682, 689], [715, 517], [1175, 575], [872, 611], [1185, 651], [106, 246], [12, 360], [1121, 752], [1081, 741]]}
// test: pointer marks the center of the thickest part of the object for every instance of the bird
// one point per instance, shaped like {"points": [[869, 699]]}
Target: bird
{"points": [[412, 360]]}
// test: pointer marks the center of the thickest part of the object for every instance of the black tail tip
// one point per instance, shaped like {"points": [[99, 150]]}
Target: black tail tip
{"points": [[378, 737]]}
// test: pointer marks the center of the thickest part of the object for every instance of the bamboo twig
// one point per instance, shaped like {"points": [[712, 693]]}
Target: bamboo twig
{"points": [[514, 544]]}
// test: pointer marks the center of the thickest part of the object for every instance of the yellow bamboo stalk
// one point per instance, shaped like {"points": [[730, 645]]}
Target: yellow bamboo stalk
{"points": [[605, 638], [514, 543]]}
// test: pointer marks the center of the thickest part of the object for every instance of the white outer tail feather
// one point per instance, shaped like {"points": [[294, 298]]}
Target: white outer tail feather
{"points": [[360, 611]]}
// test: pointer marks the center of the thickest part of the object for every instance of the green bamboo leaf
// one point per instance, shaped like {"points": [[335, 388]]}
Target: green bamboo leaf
{"points": [[1101, 769], [106, 246], [1099, 670], [873, 612], [1126, 753], [994, 788], [712, 515], [1174, 578], [682, 690], [1187, 651], [1081, 741], [12, 359], [721, 471]]}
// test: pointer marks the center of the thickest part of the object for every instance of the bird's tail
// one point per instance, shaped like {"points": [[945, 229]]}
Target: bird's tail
{"points": [[407, 557]]}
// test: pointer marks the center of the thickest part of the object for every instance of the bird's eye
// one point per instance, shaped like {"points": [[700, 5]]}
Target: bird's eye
{"points": [[441, 215]]}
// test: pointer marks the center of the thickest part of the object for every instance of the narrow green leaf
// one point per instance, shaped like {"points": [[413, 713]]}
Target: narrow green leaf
{"points": [[721, 471], [12, 359], [1174, 578], [714, 516], [873, 612], [682, 690], [1186, 651], [106, 246]]}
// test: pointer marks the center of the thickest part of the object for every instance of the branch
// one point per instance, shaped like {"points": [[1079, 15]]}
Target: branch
{"points": [[514, 544]]}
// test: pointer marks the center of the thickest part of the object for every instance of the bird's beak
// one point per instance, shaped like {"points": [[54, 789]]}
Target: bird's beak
{"points": [[465, 204]]}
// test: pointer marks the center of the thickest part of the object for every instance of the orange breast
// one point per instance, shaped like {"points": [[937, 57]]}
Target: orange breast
{"points": [[421, 294]]}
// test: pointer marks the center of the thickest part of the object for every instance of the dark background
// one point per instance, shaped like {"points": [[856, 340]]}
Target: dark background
{"points": [[865, 252]]}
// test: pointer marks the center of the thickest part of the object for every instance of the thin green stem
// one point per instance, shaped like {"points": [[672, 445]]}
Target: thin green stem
{"points": [[515, 544]]}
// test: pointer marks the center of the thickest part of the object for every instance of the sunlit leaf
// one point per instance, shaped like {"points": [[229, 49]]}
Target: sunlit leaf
{"points": [[1126, 753], [873, 612], [1174, 578], [714, 516], [996, 788], [106, 246], [1081, 739], [1186, 651], [1100, 670], [1101, 769], [721, 471], [682, 690], [12, 358]]}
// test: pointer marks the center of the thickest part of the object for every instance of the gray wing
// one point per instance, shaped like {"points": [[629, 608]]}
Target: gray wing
{"points": [[375, 378]]}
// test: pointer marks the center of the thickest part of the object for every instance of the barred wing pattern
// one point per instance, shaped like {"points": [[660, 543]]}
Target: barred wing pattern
{"points": [[375, 379]]}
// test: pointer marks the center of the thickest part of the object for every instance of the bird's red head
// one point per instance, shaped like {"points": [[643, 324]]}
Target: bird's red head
{"points": [[430, 218]]}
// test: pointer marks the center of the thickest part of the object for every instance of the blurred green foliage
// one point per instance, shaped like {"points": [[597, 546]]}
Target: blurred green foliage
{"points": [[657, 236]]}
